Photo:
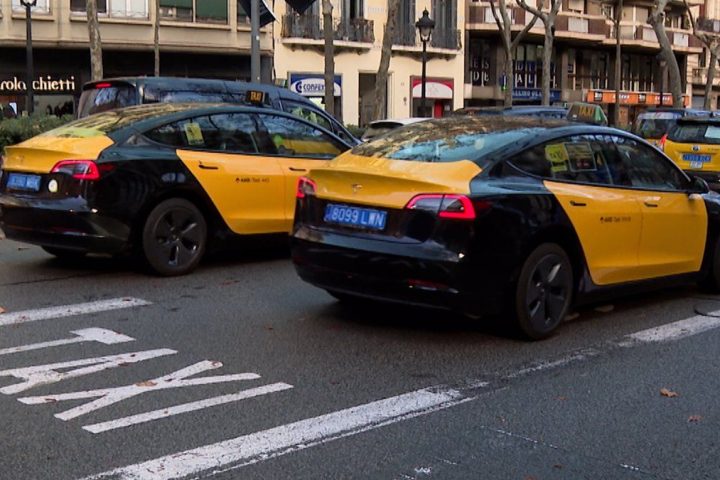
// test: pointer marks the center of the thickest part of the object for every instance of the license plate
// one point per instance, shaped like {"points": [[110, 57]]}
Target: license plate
{"points": [[19, 181], [696, 158], [355, 217]]}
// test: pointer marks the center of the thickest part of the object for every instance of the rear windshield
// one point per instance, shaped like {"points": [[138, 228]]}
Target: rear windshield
{"points": [[449, 140], [96, 100], [655, 124], [696, 133]]}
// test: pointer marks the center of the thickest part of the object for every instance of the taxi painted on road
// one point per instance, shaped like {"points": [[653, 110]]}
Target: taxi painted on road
{"points": [[490, 215], [694, 144], [160, 180]]}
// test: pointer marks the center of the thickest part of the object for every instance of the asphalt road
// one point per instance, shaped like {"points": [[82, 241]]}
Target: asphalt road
{"points": [[329, 392]]}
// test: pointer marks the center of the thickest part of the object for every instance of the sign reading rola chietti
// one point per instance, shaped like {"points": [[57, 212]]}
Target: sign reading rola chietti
{"points": [[45, 83]]}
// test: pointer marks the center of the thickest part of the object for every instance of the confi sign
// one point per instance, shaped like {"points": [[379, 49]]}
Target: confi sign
{"points": [[45, 84]]}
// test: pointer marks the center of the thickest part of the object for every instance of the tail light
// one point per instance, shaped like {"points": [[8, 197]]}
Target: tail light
{"points": [[446, 206], [305, 187], [661, 143], [81, 169]]}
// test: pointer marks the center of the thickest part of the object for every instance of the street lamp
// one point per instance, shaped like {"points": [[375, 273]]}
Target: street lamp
{"points": [[661, 61], [425, 26], [30, 101]]}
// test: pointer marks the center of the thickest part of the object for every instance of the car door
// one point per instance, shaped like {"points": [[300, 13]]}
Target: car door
{"points": [[604, 213], [222, 152], [299, 147], [675, 223]]}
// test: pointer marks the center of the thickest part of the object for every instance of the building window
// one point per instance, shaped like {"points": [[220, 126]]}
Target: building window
{"points": [[480, 63], [576, 6], [445, 34], [42, 6], [242, 16], [118, 8], [80, 6], [406, 31], [200, 11]]}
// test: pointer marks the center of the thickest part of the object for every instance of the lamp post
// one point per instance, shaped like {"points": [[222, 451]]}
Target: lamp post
{"points": [[425, 26], [30, 100], [661, 61]]}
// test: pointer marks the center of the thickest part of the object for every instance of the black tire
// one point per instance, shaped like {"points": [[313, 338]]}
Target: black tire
{"points": [[65, 253], [544, 291], [174, 237], [711, 282]]}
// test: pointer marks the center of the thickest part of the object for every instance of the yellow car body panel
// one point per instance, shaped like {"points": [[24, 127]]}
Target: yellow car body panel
{"points": [[390, 183], [40, 154], [676, 150]]}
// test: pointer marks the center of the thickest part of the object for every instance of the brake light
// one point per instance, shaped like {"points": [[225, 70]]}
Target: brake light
{"points": [[452, 206], [661, 143], [305, 187], [81, 169], [103, 85]]}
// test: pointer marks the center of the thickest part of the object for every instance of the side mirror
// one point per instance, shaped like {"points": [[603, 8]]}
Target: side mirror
{"points": [[698, 185]]}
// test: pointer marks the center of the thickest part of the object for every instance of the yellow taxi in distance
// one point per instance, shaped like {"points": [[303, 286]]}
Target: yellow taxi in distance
{"points": [[159, 180], [694, 144], [503, 215]]}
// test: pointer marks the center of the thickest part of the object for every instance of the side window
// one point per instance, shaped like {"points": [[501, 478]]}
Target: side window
{"points": [[223, 133], [170, 134], [236, 132], [580, 158], [292, 138], [647, 168], [309, 114]]}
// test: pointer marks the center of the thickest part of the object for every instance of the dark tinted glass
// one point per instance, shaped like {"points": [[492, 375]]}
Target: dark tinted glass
{"points": [[98, 100], [696, 133], [232, 133], [647, 168], [292, 138]]}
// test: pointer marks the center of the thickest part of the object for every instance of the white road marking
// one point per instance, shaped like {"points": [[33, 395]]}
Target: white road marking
{"points": [[47, 374], [108, 396], [26, 316], [186, 407], [101, 335], [259, 446], [674, 331]]}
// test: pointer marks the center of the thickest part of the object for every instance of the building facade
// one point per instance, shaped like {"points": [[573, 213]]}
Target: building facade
{"points": [[198, 38], [359, 27], [583, 56]]}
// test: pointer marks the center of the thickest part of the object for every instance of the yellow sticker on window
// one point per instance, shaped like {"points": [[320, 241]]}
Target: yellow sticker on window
{"points": [[557, 156], [193, 133]]}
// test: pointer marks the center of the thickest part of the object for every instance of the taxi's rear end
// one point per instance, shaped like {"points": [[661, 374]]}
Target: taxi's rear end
{"points": [[694, 145]]}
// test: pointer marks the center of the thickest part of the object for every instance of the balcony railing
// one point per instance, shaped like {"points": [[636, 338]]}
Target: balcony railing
{"points": [[311, 27], [405, 35]]}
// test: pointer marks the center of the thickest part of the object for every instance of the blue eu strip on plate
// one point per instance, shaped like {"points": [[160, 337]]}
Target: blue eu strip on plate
{"points": [[355, 216]]}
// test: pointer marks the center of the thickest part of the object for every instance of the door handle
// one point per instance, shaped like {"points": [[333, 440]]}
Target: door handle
{"points": [[295, 169], [208, 167], [578, 204], [651, 205]]}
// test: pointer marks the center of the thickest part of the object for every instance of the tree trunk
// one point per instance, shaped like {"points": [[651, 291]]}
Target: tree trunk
{"points": [[656, 19], [509, 77], [547, 59], [156, 38], [710, 79], [382, 76], [329, 57], [96, 61]]}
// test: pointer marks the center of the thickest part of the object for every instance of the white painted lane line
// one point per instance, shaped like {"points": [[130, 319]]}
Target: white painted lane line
{"points": [[674, 331], [26, 316], [186, 407], [255, 447], [101, 335]]}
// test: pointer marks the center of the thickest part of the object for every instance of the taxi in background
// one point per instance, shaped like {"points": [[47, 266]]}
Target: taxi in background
{"points": [[160, 180], [694, 144], [503, 215], [655, 123]]}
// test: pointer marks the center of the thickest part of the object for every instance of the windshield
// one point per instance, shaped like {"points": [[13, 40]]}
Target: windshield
{"points": [[696, 133], [96, 100], [655, 124], [450, 140]]}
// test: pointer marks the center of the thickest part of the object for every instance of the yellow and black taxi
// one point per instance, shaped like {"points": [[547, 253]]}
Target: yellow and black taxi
{"points": [[490, 215], [159, 180], [655, 123], [694, 144]]}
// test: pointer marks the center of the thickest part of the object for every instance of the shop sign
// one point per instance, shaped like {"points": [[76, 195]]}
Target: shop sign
{"points": [[439, 88], [534, 94], [633, 98], [313, 85], [43, 84]]}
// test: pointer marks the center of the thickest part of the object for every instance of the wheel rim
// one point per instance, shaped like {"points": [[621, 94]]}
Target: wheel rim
{"points": [[177, 238], [548, 291]]}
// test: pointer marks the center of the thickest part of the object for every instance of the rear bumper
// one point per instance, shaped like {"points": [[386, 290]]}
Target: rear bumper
{"points": [[422, 274], [65, 223]]}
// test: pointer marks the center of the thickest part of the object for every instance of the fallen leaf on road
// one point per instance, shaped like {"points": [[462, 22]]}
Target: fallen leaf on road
{"points": [[2, 310], [50, 400], [571, 316], [561, 398], [146, 383], [668, 393], [694, 418], [230, 282], [558, 466], [605, 308]]}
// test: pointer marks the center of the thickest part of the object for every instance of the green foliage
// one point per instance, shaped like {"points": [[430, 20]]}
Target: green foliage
{"points": [[16, 130], [355, 130]]}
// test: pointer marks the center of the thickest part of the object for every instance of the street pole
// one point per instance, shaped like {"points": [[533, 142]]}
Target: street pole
{"points": [[618, 63], [425, 27], [30, 98], [424, 75], [255, 41]]}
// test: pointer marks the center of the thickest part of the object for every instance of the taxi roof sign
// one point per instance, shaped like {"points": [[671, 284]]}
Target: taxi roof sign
{"points": [[587, 113], [255, 97]]}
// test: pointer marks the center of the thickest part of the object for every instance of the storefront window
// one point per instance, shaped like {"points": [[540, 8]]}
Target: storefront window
{"points": [[42, 6], [200, 11], [528, 67], [480, 63]]}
